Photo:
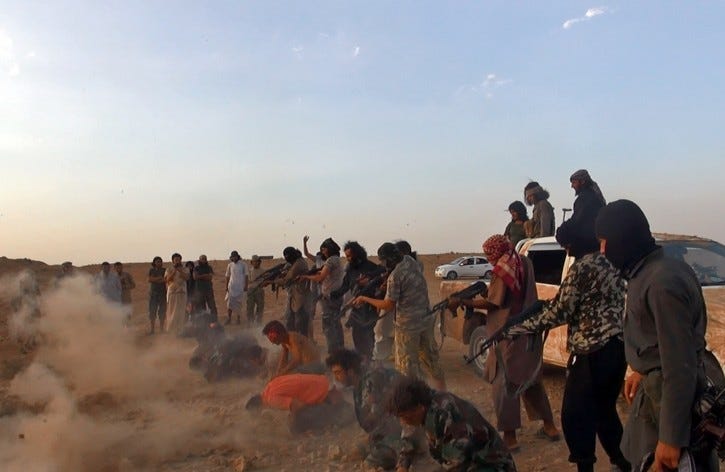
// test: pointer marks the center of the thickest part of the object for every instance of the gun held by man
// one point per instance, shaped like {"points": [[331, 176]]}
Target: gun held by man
{"points": [[270, 274], [368, 290], [501, 333], [476, 288]]}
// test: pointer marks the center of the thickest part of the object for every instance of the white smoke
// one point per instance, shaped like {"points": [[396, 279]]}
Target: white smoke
{"points": [[98, 397]]}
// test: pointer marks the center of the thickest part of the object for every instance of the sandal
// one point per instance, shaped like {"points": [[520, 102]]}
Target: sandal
{"points": [[542, 434]]}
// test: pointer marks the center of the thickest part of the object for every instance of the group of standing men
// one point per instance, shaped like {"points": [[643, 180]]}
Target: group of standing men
{"points": [[659, 333], [181, 290]]}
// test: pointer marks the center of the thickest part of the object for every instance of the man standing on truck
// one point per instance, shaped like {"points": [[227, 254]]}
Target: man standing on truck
{"points": [[589, 201], [664, 339], [542, 222]]}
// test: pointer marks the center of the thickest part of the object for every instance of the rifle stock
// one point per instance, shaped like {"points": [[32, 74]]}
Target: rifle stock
{"points": [[498, 335], [367, 291], [476, 288]]}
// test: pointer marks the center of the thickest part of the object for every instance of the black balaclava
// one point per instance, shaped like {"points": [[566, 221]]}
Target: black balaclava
{"points": [[580, 240], [389, 255], [626, 230], [291, 254]]}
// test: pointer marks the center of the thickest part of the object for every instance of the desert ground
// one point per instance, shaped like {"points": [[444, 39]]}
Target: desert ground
{"points": [[97, 396]]}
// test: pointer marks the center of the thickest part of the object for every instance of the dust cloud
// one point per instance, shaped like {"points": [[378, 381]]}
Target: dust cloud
{"points": [[99, 397]]}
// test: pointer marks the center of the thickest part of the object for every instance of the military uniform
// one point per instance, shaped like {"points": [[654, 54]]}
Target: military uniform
{"points": [[414, 341], [590, 301], [384, 430], [461, 439], [255, 298]]}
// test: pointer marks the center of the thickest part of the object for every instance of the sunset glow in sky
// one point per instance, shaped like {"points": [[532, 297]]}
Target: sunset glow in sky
{"points": [[135, 128]]}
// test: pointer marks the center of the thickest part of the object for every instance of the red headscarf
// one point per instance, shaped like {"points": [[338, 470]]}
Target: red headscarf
{"points": [[507, 263]]}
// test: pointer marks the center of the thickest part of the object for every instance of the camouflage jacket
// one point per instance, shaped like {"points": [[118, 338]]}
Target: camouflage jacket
{"points": [[461, 439], [370, 396], [590, 300]]}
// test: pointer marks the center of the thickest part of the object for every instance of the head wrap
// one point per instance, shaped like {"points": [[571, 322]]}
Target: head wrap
{"points": [[583, 175], [579, 240], [389, 254], [626, 229], [507, 263]]}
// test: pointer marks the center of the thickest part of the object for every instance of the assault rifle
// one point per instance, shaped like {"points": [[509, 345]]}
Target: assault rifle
{"points": [[477, 288], [270, 274], [367, 291], [501, 333], [709, 411]]}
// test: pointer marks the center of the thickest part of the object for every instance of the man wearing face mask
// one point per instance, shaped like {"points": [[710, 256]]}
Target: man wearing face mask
{"points": [[407, 294], [358, 272], [664, 338]]}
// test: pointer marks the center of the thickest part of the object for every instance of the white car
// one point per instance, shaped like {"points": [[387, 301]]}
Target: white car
{"points": [[466, 266]]}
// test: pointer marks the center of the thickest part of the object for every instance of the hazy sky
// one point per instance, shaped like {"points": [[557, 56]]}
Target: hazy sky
{"points": [[130, 129]]}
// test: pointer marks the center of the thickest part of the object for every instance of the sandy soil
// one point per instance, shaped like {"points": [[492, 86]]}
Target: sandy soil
{"points": [[137, 406]]}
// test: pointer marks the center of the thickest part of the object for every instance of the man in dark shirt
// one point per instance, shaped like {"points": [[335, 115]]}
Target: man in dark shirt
{"points": [[358, 272], [203, 274], [664, 338], [157, 294]]}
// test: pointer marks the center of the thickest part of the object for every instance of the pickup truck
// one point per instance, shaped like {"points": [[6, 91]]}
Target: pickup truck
{"points": [[551, 264]]}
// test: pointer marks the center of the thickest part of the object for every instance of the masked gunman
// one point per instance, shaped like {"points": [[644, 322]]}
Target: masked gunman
{"points": [[407, 295], [664, 339], [514, 368]]}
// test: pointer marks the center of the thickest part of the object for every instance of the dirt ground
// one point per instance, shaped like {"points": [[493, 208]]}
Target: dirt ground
{"points": [[170, 418]]}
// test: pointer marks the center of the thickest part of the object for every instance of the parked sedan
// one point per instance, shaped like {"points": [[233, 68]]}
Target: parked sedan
{"points": [[466, 266]]}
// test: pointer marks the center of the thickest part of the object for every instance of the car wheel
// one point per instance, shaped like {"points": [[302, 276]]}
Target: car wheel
{"points": [[488, 275], [478, 336], [452, 275], [438, 335]]}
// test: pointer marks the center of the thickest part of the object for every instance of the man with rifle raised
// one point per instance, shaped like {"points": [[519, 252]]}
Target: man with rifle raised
{"points": [[407, 294], [515, 370], [361, 275], [298, 309]]}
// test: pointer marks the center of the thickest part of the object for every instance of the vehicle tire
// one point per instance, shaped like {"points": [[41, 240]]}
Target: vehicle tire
{"points": [[478, 336], [488, 275], [452, 275], [438, 335]]}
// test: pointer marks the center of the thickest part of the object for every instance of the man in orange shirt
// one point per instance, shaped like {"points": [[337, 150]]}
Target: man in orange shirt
{"points": [[311, 403]]}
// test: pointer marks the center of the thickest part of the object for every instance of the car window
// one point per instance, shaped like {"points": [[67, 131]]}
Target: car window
{"points": [[548, 265], [480, 260], [707, 259]]}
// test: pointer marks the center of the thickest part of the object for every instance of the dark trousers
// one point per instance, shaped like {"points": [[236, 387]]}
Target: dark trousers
{"points": [[157, 306], [589, 408], [297, 321], [331, 324], [363, 337], [205, 299]]}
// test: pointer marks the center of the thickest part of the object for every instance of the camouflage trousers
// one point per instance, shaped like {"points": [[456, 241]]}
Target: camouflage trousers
{"points": [[416, 347], [255, 305]]}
